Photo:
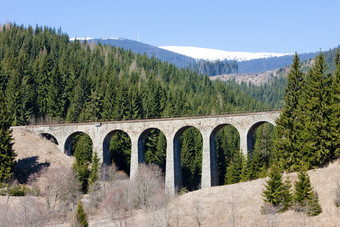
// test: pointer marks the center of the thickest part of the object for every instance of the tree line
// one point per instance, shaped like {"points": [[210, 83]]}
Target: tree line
{"points": [[45, 77]]}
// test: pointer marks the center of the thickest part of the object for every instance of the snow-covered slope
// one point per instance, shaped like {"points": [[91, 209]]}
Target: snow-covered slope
{"points": [[214, 54], [80, 38]]}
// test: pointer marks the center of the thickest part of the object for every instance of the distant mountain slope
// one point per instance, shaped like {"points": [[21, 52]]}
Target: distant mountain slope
{"points": [[214, 54], [260, 62], [268, 64], [179, 60]]}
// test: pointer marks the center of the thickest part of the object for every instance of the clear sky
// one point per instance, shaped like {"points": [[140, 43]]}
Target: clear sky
{"points": [[238, 25]]}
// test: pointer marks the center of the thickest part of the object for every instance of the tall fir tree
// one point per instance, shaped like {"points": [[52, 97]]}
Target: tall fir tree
{"points": [[234, 169], [315, 114], [95, 167], [305, 199], [80, 216], [286, 145], [335, 107], [277, 192], [7, 155]]}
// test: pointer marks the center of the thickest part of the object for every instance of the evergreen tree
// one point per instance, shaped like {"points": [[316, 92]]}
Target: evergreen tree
{"points": [[80, 216], [234, 170], [120, 151], [94, 169], [82, 150], [335, 107], [305, 199], [277, 193], [314, 207], [7, 155], [315, 138], [286, 144]]}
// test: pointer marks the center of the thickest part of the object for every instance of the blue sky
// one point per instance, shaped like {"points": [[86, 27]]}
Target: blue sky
{"points": [[239, 25]]}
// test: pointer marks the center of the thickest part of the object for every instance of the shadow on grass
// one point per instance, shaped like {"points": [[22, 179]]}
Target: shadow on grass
{"points": [[27, 170]]}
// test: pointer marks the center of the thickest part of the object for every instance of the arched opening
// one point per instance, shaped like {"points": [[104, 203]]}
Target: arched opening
{"points": [[152, 147], [79, 141], [188, 143], [49, 137], [260, 141], [225, 155], [117, 150]]}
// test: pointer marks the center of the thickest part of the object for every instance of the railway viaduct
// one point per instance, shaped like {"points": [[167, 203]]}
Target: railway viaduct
{"points": [[173, 128]]}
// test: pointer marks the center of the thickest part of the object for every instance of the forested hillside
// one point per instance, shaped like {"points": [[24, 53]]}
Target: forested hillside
{"points": [[180, 61], [45, 77]]}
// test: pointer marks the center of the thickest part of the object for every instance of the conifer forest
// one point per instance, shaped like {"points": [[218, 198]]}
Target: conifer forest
{"points": [[44, 78]]}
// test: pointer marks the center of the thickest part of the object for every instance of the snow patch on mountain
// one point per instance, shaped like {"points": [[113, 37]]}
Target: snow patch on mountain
{"points": [[82, 39], [89, 38], [214, 54]]}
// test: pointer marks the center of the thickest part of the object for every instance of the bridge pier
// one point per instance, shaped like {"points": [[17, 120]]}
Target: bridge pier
{"points": [[134, 157], [170, 166], [206, 180]]}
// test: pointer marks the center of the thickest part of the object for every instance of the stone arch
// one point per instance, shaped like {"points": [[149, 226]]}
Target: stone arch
{"points": [[213, 152], [251, 134], [49, 137], [177, 156], [69, 140], [141, 143], [106, 147]]}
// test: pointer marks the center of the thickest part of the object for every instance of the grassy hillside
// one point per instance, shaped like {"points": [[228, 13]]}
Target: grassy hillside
{"points": [[209, 207]]}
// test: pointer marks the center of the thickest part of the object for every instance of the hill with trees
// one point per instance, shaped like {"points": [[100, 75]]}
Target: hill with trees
{"points": [[47, 78]]}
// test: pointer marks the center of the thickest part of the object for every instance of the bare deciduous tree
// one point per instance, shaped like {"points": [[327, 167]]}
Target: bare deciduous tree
{"points": [[271, 212], [147, 182], [60, 190], [31, 212], [116, 204]]}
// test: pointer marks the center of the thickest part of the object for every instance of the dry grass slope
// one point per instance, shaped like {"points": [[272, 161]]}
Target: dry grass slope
{"points": [[206, 207]]}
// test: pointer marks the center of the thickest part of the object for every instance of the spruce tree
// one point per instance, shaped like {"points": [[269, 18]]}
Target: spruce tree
{"points": [[303, 190], [315, 138], [94, 169], [305, 199], [7, 155], [82, 150], [286, 146], [234, 170], [277, 193], [314, 207], [335, 107], [80, 217]]}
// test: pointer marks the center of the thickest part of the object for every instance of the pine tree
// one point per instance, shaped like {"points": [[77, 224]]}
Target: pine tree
{"points": [[234, 170], [120, 150], [7, 155], [286, 146], [315, 138], [82, 150], [314, 207], [277, 193], [303, 190], [80, 216], [335, 107], [305, 199], [94, 169]]}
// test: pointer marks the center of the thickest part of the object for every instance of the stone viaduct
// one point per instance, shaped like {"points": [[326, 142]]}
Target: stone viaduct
{"points": [[173, 128]]}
